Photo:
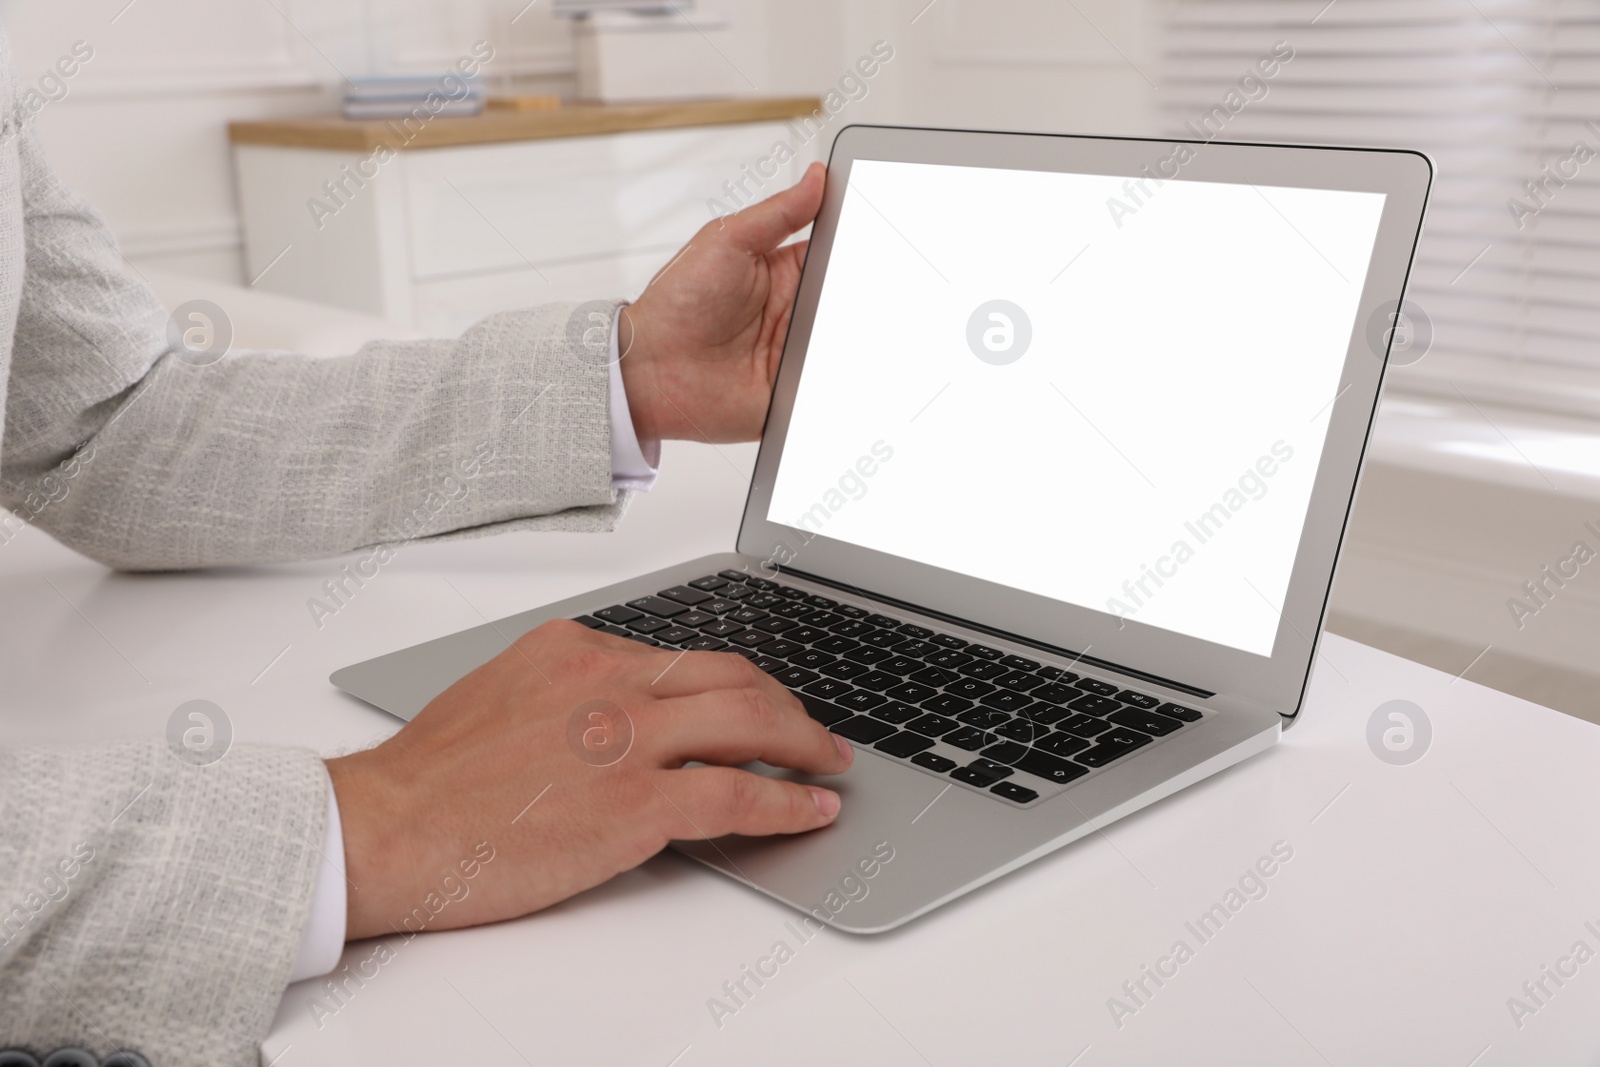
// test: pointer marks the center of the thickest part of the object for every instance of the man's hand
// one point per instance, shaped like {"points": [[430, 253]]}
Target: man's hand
{"points": [[700, 347], [489, 761]]}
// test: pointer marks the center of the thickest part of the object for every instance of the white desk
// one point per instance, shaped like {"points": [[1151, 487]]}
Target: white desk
{"points": [[1418, 900]]}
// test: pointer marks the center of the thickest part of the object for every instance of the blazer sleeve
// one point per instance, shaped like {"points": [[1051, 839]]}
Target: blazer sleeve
{"points": [[157, 460], [150, 905]]}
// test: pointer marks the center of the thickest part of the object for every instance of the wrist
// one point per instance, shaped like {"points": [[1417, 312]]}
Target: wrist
{"points": [[368, 817], [636, 369]]}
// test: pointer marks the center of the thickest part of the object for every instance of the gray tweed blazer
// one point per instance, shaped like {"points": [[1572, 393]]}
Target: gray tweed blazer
{"points": [[146, 904]]}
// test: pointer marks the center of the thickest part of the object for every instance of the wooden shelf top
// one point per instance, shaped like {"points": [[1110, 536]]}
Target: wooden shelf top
{"points": [[569, 120]]}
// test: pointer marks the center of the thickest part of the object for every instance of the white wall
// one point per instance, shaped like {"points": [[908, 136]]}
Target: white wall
{"points": [[142, 130]]}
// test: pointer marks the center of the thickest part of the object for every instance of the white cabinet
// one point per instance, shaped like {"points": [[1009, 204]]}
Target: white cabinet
{"points": [[439, 235]]}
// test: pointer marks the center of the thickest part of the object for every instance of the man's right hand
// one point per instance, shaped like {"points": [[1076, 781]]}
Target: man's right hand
{"points": [[467, 768]]}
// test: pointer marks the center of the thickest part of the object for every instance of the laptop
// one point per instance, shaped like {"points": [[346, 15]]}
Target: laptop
{"points": [[1046, 511]]}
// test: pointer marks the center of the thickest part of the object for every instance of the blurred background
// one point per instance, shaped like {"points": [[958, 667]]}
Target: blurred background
{"points": [[575, 146]]}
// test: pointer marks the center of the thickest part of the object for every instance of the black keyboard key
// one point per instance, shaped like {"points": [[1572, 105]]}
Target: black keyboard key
{"points": [[982, 671], [1150, 722], [836, 645], [970, 688], [1061, 745], [912, 630], [883, 620], [617, 630], [915, 648], [721, 628], [1022, 730], [694, 618], [945, 704], [735, 592], [712, 582], [1056, 674], [934, 762], [807, 635], [930, 725], [1007, 752], [1056, 693], [983, 652], [665, 609], [861, 700], [781, 648], [877, 681], [793, 610], [850, 611], [748, 653], [1178, 711], [590, 621], [749, 638], [851, 628], [677, 635], [1018, 681], [896, 712], [766, 585], [746, 616], [845, 669], [1013, 791], [983, 718], [1095, 685], [934, 676], [764, 601], [868, 654], [1094, 705], [824, 619], [684, 594], [911, 692], [969, 737], [1052, 769], [616, 614], [1084, 725], [904, 744], [706, 644], [770, 624], [827, 688], [863, 729], [729, 575], [821, 711], [790, 592], [900, 665], [1006, 700], [1018, 663], [882, 638], [981, 772], [949, 659], [795, 677], [1112, 745], [771, 665], [1138, 700], [811, 659], [648, 625], [821, 602], [948, 641], [1045, 714]]}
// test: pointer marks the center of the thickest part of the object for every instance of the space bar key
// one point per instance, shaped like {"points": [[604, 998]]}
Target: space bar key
{"points": [[822, 711]]}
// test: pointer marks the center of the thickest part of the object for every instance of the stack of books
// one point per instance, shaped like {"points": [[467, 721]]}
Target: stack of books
{"points": [[397, 96]]}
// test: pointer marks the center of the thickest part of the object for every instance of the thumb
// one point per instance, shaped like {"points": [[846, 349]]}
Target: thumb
{"points": [[761, 227]]}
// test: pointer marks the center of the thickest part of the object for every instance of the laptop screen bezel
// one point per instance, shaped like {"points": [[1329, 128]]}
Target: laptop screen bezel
{"points": [[1277, 681]]}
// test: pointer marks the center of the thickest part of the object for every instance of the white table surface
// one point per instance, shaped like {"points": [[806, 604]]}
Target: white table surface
{"points": [[1418, 900]]}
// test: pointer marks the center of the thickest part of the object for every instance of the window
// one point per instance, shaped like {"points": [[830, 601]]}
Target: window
{"points": [[1504, 95]]}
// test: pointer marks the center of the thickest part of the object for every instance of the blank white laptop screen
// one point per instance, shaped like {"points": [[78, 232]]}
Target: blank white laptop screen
{"points": [[1110, 393]]}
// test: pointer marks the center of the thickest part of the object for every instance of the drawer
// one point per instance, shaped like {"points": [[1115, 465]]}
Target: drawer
{"points": [[545, 203]]}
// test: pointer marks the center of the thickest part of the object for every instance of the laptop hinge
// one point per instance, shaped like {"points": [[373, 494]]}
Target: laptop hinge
{"points": [[1042, 646]]}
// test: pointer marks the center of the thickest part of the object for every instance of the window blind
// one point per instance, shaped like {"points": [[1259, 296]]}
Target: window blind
{"points": [[1504, 95]]}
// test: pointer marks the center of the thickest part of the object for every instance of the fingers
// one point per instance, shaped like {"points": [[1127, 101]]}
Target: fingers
{"points": [[733, 726], [687, 673], [761, 227], [705, 802]]}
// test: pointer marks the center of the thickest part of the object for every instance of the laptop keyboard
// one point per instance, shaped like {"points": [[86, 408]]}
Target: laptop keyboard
{"points": [[1000, 723]]}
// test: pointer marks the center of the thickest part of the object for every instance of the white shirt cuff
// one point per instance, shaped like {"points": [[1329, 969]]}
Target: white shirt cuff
{"points": [[323, 942], [630, 467]]}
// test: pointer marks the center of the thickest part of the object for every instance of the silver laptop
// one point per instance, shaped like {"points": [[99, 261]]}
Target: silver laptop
{"points": [[1047, 507]]}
